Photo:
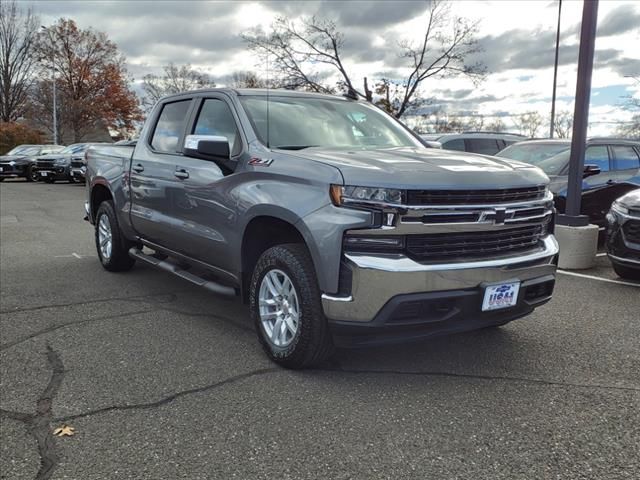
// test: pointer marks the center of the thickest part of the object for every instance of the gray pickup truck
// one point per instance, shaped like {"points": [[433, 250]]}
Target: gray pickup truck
{"points": [[327, 216]]}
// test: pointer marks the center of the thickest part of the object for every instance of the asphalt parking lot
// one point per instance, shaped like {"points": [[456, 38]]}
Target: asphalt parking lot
{"points": [[160, 379]]}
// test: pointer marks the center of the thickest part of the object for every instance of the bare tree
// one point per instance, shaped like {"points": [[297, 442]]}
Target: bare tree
{"points": [[246, 79], [18, 32], [528, 123], [563, 125], [497, 126], [302, 51], [176, 79]]}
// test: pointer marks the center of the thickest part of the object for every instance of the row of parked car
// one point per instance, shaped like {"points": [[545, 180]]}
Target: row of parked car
{"points": [[47, 163], [610, 189]]}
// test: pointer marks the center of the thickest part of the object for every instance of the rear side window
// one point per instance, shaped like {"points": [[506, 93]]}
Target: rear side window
{"points": [[485, 146], [457, 144], [597, 155], [625, 157], [170, 126], [215, 118]]}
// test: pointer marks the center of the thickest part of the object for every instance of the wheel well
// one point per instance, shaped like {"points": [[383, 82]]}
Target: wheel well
{"points": [[261, 234], [99, 194]]}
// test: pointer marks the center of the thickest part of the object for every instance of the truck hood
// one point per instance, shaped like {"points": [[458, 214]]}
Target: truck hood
{"points": [[12, 158], [413, 168]]}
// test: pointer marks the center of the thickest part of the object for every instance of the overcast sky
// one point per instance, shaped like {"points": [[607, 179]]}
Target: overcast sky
{"points": [[518, 38]]}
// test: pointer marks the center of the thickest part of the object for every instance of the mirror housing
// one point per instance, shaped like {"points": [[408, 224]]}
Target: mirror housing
{"points": [[207, 147], [590, 170]]}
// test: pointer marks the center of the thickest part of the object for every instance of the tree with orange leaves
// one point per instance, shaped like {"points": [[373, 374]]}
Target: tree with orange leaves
{"points": [[91, 78]]}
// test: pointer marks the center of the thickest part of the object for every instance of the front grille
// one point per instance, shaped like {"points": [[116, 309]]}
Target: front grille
{"points": [[473, 245], [44, 163], [474, 197], [632, 231], [77, 163]]}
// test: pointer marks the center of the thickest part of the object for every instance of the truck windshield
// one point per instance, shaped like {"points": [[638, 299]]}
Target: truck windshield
{"points": [[295, 123]]}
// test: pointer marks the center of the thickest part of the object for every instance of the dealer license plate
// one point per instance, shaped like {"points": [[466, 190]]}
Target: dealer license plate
{"points": [[500, 296], [44, 174]]}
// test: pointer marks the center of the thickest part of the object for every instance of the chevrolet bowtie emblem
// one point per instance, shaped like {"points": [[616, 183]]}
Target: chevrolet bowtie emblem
{"points": [[500, 216]]}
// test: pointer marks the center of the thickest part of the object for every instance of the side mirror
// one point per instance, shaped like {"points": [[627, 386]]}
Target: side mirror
{"points": [[207, 147], [590, 171]]}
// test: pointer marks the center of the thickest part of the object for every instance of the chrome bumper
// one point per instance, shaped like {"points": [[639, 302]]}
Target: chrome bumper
{"points": [[375, 280]]}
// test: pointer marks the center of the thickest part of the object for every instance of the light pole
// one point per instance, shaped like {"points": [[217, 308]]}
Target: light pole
{"points": [[55, 109], [555, 74]]}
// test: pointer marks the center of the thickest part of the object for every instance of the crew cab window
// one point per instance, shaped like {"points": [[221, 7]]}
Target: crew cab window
{"points": [[170, 126], [457, 144], [625, 157], [597, 155], [485, 146], [215, 118]]}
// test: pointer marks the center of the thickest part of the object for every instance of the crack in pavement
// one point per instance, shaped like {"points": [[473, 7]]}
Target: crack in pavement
{"points": [[173, 396], [136, 298], [481, 377], [53, 328], [39, 424]]}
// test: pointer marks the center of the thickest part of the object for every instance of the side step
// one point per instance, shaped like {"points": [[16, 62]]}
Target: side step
{"points": [[176, 270]]}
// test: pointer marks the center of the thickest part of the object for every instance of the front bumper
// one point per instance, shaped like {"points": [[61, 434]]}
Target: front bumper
{"points": [[13, 171], [78, 172], [623, 247], [393, 298], [53, 171]]}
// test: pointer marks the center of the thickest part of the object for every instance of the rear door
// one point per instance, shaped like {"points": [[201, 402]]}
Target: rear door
{"points": [[152, 173]]}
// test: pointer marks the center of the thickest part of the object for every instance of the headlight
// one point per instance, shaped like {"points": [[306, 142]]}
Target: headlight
{"points": [[618, 207], [61, 161], [350, 194], [12, 163]]}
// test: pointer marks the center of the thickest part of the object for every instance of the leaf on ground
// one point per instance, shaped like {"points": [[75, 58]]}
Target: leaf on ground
{"points": [[64, 431]]}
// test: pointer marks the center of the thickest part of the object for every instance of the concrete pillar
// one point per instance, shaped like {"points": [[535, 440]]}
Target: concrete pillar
{"points": [[578, 246]]}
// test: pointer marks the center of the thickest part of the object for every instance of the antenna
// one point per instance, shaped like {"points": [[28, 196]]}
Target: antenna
{"points": [[268, 137]]}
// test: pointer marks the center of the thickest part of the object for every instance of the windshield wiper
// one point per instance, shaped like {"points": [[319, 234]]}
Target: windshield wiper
{"points": [[294, 147]]}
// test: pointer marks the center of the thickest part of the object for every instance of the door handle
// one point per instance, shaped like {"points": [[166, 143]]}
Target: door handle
{"points": [[137, 168], [182, 174]]}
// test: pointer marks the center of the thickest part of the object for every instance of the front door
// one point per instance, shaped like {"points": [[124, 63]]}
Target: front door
{"points": [[200, 201]]}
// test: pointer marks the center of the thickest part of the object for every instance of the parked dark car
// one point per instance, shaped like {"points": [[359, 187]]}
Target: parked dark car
{"points": [[485, 143], [623, 239], [59, 166], [612, 168], [534, 151], [19, 162]]}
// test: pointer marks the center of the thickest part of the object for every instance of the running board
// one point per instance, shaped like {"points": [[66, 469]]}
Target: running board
{"points": [[176, 270]]}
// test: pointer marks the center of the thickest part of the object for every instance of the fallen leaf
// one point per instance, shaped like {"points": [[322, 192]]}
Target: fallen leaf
{"points": [[64, 431]]}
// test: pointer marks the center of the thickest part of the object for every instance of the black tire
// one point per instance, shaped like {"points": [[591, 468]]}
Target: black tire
{"points": [[31, 175], [312, 343], [119, 261], [626, 272]]}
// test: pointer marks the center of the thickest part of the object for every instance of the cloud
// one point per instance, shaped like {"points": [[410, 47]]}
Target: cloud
{"points": [[623, 19]]}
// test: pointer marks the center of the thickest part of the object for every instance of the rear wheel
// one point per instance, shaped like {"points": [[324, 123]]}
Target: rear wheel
{"points": [[284, 301], [113, 248], [626, 272]]}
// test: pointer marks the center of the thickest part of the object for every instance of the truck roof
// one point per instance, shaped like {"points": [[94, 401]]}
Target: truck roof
{"points": [[276, 92]]}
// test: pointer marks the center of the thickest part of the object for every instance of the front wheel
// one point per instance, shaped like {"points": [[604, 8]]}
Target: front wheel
{"points": [[284, 301], [32, 175], [113, 248]]}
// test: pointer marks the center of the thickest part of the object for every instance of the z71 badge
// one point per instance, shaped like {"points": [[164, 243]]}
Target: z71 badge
{"points": [[260, 162]]}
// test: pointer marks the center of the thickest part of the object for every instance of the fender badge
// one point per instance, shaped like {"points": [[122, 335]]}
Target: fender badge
{"points": [[260, 162]]}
